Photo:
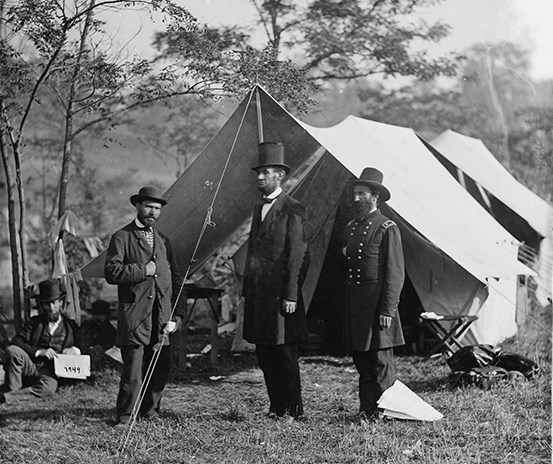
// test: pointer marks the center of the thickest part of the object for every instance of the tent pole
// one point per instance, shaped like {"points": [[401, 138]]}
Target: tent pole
{"points": [[259, 117]]}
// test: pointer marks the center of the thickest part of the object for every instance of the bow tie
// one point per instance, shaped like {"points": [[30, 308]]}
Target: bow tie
{"points": [[145, 229], [268, 200]]}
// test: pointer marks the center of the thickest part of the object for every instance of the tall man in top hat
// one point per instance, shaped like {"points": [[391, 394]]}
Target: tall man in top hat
{"points": [[274, 316], [30, 356], [140, 262], [375, 275]]}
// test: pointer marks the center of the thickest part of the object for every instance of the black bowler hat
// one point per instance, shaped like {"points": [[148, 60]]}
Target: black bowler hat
{"points": [[271, 154], [148, 192], [372, 177], [48, 291]]}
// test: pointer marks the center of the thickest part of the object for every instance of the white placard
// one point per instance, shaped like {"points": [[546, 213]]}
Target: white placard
{"points": [[71, 366]]}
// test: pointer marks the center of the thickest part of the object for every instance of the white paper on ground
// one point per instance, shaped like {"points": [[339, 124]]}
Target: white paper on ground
{"points": [[115, 353], [400, 402]]}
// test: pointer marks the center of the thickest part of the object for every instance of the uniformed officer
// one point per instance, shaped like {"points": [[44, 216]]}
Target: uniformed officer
{"points": [[375, 275]]}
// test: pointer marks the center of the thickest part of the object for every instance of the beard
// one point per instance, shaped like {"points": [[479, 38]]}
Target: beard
{"points": [[53, 316], [148, 221], [362, 209], [266, 188]]}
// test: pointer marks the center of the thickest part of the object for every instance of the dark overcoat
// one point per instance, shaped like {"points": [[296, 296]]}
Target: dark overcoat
{"points": [[126, 259], [275, 263], [375, 276]]}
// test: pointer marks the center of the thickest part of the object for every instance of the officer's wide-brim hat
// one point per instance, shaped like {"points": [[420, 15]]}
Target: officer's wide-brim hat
{"points": [[271, 154], [372, 177], [148, 192], [48, 291]]}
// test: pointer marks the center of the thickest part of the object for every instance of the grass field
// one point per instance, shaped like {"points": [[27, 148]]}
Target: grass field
{"points": [[223, 421]]}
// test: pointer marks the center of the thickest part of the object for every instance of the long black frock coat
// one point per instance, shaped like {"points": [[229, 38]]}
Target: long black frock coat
{"points": [[274, 264], [375, 276]]}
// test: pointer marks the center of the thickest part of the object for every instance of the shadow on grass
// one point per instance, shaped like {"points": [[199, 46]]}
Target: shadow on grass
{"points": [[430, 385], [327, 360], [59, 414], [199, 368]]}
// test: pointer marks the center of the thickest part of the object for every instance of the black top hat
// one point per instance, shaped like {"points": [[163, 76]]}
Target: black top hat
{"points": [[372, 177], [271, 154], [148, 192], [48, 291]]}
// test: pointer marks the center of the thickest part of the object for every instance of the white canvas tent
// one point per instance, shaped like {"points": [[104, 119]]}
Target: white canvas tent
{"points": [[459, 260], [523, 213]]}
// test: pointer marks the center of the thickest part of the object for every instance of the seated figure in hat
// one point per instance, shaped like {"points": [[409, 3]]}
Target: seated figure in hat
{"points": [[374, 279], [97, 334], [30, 356], [276, 262], [96, 329]]}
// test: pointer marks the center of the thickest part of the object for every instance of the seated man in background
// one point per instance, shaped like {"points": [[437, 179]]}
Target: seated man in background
{"points": [[97, 334], [29, 362], [97, 330]]}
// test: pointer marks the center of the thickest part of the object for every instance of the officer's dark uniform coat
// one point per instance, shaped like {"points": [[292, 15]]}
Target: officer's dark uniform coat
{"points": [[276, 251], [375, 276]]}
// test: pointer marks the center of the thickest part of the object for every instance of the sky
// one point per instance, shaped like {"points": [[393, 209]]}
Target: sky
{"points": [[529, 22]]}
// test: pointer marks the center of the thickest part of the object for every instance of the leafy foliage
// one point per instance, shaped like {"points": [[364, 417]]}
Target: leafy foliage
{"points": [[494, 101], [307, 44], [221, 62], [345, 39]]}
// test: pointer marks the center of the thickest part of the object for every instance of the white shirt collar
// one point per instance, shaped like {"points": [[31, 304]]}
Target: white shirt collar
{"points": [[139, 224], [275, 194], [52, 326]]}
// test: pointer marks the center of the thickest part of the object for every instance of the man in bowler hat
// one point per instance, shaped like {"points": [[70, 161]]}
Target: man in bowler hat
{"points": [[274, 316], [374, 279], [30, 356], [141, 263]]}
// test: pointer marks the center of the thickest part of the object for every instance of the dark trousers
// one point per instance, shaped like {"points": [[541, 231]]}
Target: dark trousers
{"points": [[281, 370], [136, 360], [377, 372], [25, 378]]}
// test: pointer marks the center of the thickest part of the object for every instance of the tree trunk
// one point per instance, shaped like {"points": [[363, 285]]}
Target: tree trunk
{"points": [[22, 240], [503, 127], [68, 137], [17, 290]]}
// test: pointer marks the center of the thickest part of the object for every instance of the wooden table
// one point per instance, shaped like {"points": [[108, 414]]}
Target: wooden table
{"points": [[449, 331], [213, 298]]}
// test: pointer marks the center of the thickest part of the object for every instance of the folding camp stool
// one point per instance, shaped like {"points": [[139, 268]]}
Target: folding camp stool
{"points": [[448, 329]]}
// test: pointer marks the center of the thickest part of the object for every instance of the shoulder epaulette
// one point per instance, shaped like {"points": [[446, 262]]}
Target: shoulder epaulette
{"points": [[388, 224]]}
